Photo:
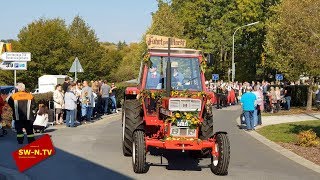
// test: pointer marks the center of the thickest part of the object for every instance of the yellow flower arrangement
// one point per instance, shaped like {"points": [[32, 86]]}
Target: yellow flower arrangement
{"points": [[146, 58], [203, 64], [188, 94], [190, 117]]}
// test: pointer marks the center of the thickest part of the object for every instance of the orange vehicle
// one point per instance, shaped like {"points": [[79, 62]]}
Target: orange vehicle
{"points": [[171, 109]]}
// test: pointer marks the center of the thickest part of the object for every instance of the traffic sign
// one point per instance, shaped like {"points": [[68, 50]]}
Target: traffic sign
{"points": [[215, 77], [13, 65], [16, 56], [279, 77], [76, 66]]}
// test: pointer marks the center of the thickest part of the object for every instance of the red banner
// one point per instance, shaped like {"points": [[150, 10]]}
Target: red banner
{"points": [[33, 153]]}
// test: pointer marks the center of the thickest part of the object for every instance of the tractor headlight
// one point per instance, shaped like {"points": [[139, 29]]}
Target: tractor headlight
{"points": [[175, 131], [192, 132]]}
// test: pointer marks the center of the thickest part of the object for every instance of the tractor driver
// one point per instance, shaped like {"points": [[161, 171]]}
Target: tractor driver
{"points": [[153, 78], [177, 77]]}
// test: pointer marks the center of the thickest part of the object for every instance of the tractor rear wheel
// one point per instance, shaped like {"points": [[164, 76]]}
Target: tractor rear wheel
{"points": [[139, 152], [131, 119], [219, 165]]}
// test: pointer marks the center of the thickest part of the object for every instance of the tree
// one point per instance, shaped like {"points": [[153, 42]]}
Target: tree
{"points": [[84, 45], [293, 40], [209, 25], [165, 22], [130, 64], [47, 40]]}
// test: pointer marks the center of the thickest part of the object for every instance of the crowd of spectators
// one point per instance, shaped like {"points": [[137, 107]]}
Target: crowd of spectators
{"points": [[263, 97], [74, 103], [82, 102]]}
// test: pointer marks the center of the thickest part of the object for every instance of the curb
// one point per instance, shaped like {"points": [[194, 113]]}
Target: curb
{"points": [[285, 152], [11, 174]]}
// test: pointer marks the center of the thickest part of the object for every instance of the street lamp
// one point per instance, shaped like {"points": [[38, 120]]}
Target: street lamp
{"points": [[233, 64]]}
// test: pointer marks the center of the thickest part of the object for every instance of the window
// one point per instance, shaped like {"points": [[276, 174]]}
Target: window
{"points": [[185, 73]]}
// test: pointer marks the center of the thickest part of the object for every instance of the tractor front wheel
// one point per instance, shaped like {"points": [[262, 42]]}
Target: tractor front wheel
{"points": [[139, 152], [219, 165], [131, 119]]}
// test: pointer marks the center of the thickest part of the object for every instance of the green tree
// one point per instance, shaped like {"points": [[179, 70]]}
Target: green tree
{"points": [[209, 26], [111, 58], [165, 22], [84, 45], [47, 40], [293, 40], [130, 63]]}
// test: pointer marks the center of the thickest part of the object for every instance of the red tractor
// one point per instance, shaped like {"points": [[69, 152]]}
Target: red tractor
{"points": [[171, 109]]}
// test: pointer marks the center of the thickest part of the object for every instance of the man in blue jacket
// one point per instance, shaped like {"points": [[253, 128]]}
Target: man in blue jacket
{"points": [[248, 105]]}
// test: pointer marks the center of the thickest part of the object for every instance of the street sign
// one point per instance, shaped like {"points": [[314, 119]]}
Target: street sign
{"points": [[279, 77], [13, 65], [215, 77], [16, 56], [76, 66]]}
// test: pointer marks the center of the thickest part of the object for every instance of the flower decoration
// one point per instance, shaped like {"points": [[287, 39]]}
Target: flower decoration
{"points": [[6, 115], [189, 117], [203, 64], [158, 95], [187, 94], [146, 58]]}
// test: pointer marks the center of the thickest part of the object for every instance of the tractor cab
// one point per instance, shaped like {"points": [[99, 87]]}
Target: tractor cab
{"points": [[185, 69]]}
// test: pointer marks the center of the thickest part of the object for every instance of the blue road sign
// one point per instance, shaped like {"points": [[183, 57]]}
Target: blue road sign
{"points": [[279, 77], [215, 77]]}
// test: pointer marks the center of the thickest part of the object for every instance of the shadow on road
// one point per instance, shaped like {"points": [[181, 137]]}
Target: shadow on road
{"points": [[176, 160], [62, 165], [312, 115]]}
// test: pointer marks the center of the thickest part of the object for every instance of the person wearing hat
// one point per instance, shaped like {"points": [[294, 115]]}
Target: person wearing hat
{"points": [[22, 104], [248, 100], [153, 78], [177, 77]]}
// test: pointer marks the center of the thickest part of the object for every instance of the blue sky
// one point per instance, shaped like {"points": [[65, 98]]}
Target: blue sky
{"points": [[112, 20]]}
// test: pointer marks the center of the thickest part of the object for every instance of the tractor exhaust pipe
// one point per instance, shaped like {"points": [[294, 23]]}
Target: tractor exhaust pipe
{"points": [[168, 71]]}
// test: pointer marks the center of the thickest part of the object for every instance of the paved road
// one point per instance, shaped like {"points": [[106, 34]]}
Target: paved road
{"points": [[94, 152]]}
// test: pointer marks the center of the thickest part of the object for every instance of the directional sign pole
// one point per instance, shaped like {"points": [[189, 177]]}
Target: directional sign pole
{"points": [[15, 77], [75, 73]]}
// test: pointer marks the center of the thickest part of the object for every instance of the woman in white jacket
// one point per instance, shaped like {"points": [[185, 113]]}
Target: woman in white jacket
{"points": [[41, 121], [70, 102]]}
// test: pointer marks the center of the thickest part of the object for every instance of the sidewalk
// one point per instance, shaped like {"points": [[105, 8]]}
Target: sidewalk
{"points": [[8, 144], [270, 120]]}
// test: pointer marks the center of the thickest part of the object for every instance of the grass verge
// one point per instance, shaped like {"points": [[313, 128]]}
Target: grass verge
{"points": [[287, 132]]}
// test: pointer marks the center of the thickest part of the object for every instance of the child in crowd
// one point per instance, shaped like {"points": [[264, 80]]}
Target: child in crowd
{"points": [[41, 121]]}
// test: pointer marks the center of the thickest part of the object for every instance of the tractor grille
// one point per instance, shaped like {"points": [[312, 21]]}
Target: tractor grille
{"points": [[184, 104]]}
